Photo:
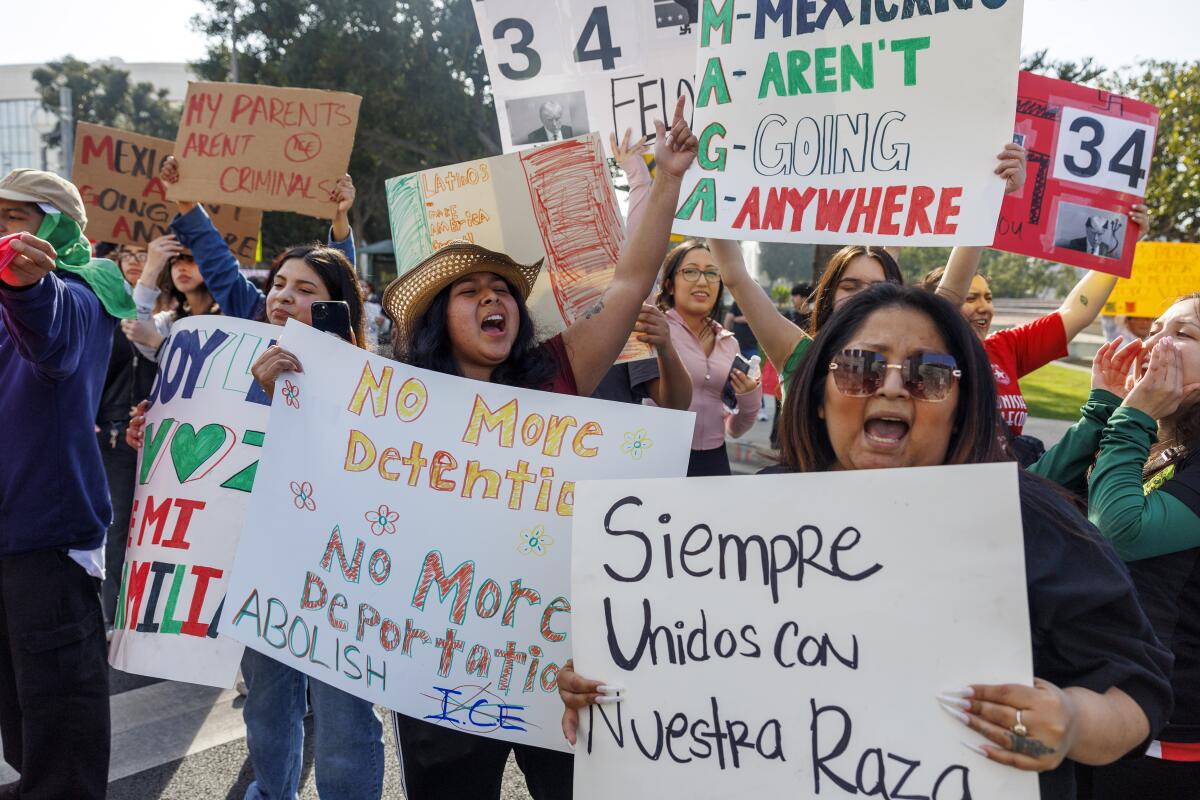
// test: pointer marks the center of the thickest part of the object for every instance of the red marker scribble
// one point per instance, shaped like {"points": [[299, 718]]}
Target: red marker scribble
{"points": [[301, 147]]}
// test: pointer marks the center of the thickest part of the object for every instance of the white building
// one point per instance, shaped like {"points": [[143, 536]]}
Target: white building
{"points": [[23, 121]]}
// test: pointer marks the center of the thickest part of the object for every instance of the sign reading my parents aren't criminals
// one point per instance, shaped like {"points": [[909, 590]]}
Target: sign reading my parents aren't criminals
{"points": [[847, 122]]}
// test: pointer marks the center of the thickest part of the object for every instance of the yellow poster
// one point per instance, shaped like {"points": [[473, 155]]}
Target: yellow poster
{"points": [[1162, 273]]}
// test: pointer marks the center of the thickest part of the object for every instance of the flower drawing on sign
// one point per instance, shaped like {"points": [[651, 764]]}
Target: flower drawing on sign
{"points": [[636, 443], [303, 496], [291, 394], [382, 519], [535, 541]]}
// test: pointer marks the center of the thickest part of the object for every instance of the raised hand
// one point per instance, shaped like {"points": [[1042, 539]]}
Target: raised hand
{"points": [[1012, 167], [675, 150], [625, 149], [34, 258], [1110, 367]]}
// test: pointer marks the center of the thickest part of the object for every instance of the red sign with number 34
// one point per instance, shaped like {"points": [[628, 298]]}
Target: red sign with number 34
{"points": [[1089, 162]]}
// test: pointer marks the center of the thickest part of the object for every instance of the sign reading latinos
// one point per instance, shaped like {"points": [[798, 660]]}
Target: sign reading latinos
{"points": [[263, 146], [409, 536], [797, 651], [204, 436], [847, 122], [555, 202], [1089, 162], [117, 175], [1163, 272], [566, 67]]}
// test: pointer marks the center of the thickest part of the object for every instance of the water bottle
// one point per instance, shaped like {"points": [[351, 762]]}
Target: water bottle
{"points": [[755, 373]]}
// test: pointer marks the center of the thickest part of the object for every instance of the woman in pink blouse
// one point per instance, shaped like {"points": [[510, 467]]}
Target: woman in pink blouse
{"points": [[690, 294]]}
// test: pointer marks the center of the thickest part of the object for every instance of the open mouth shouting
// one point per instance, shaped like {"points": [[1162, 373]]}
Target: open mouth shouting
{"points": [[885, 432], [980, 323], [494, 325]]}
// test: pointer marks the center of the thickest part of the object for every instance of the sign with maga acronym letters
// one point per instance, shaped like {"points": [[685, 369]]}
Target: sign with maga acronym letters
{"points": [[409, 536], [203, 438], [1089, 162], [263, 146], [606, 65], [788, 635], [117, 175], [840, 122]]}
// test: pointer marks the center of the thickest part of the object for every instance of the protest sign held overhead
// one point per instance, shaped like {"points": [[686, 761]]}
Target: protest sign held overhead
{"points": [[555, 201], [117, 175], [819, 124], [563, 68], [797, 651], [1163, 272], [203, 439], [1089, 162], [264, 147], [409, 535]]}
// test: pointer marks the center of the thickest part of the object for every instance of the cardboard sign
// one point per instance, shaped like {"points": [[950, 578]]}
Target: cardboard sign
{"points": [[263, 146], [204, 436], [117, 175], [793, 643], [1089, 162], [567, 67], [822, 125], [1163, 272], [554, 202], [409, 536]]}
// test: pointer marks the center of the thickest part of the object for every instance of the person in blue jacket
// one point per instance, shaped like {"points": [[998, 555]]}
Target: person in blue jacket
{"points": [[58, 312]]}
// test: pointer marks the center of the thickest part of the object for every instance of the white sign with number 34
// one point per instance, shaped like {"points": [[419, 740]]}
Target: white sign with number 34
{"points": [[1104, 152]]}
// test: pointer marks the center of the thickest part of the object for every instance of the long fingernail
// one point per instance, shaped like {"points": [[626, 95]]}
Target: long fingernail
{"points": [[977, 750], [609, 699], [956, 702], [610, 688], [956, 713], [965, 691]]}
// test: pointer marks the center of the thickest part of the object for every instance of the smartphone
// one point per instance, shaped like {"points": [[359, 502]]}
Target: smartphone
{"points": [[739, 363], [332, 316]]}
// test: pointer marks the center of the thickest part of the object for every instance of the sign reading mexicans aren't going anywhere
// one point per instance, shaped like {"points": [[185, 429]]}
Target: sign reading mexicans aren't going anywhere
{"points": [[851, 122], [263, 146]]}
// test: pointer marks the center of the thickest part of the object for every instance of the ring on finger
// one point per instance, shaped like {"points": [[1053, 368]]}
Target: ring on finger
{"points": [[1019, 728]]}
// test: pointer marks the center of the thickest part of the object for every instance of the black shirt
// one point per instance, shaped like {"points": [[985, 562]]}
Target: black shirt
{"points": [[742, 332], [627, 383]]}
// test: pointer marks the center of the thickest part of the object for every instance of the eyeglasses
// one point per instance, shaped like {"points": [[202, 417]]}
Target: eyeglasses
{"points": [[692, 274], [927, 376], [133, 256]]}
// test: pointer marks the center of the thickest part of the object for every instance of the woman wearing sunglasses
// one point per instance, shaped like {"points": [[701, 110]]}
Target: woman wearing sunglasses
{"points": [[897, 379], [690, 293]]}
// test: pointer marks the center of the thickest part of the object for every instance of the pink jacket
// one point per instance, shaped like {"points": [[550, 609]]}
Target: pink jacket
{"points": [[709, 373]]}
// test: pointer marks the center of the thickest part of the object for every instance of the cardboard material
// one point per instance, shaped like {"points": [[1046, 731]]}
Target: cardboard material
{"points": [[609, 65], [263, 146], [204, 436], [1089, 163], [409, 536], [793, 642], [839, 127], [117, 175], [554, 202], [1163, 272]]}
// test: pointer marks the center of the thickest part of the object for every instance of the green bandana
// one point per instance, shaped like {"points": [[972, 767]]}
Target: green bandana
{"points": [[75, 256]]}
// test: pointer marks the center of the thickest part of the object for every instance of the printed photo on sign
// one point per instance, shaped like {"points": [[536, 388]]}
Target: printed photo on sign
{"points": [[1090, 230], [549, 118]]}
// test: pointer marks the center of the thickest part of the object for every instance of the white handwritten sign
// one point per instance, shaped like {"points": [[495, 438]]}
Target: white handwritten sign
{"points": [[409, 535], [585, 65], [787, 635], [873, 126], [204, 435]]}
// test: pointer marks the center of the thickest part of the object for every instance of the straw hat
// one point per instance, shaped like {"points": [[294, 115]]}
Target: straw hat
{"points": [[408, 297]]}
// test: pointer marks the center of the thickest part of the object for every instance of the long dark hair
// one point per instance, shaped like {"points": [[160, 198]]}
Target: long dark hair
{"points": [[430, 347], [176, 300], [977, 436], [666, 286], [1185, 429], [336, 273], [827, 286]]}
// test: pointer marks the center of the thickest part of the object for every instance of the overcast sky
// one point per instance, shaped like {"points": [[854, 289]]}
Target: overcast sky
{"points": [[1115, 32]]}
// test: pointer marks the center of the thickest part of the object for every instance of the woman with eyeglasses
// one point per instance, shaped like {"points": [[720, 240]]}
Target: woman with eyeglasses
{"points": [[897, 379], [690, 294], [169, 288]]}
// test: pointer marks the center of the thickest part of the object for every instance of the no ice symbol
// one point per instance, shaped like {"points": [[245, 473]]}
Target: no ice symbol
{"points": [[301, 147]]}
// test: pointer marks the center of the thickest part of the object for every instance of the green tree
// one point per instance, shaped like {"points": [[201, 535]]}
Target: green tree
{"points": [[1085, 71], [417, 64], [104, 94]]}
